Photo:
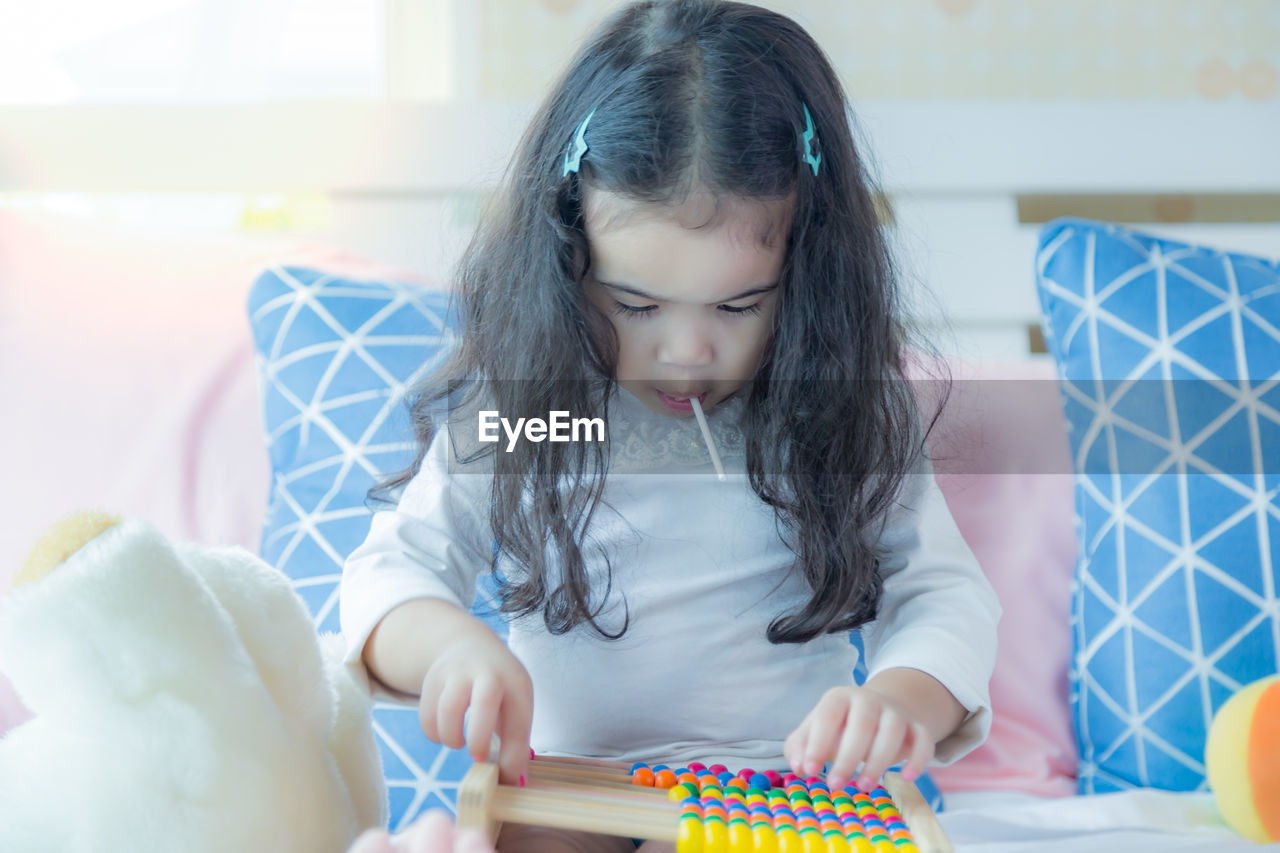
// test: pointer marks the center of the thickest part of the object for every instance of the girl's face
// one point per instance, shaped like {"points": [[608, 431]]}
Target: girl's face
{"points": [[690, 289]]}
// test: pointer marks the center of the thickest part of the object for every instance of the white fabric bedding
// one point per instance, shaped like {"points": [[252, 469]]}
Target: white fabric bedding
{"points": [[1132, 821]]}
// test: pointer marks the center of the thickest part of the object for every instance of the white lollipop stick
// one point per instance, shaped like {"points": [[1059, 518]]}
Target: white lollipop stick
{"points": [[706, 436]]}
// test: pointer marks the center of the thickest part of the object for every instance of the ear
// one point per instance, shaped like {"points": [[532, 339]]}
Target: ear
{"points": [[61, 541]]}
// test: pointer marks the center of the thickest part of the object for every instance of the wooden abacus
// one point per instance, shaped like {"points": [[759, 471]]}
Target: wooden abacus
{"points": [[702, 812]]}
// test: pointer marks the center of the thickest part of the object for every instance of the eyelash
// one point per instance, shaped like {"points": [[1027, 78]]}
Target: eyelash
{"points": [[634, 311]]}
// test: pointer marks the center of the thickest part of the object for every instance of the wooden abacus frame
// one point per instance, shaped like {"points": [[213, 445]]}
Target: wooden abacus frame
{"points": [[598, 796]]}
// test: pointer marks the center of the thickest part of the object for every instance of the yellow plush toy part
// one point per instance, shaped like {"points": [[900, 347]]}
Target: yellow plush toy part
{"points": [[182, 701], [1242, 756]]}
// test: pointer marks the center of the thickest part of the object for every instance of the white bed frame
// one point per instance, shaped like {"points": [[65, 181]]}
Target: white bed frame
{"points": [[402, 179]]}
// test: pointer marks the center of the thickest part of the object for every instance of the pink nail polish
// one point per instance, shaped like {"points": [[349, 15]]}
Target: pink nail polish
{"points": [[520, 781]]}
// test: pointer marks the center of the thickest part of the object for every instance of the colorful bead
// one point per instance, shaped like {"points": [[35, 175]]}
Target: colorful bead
{"points": [[766, 812], [690, 837], [813, 841], [836, 842], [642, 776], [740, 840], [764, 838], [715, 836], [789, 841]]}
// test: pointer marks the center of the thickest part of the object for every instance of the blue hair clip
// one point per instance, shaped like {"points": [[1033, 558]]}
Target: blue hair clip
{"points": [[810, 136], [573, 156]]}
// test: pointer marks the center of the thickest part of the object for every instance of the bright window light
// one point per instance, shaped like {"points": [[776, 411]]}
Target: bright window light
{"points": [[129, 51]]}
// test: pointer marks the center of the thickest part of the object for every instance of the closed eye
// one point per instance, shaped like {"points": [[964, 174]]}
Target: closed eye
{"points": [[633, 310], [748, 310]]}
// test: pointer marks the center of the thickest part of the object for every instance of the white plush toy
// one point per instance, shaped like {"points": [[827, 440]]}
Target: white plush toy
{"points": [[183, 702]]}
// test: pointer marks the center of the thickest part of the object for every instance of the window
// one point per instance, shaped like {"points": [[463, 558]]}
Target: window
{"points": [[131, 51]]}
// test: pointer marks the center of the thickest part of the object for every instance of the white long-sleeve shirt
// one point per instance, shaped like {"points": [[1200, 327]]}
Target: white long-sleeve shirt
{"points": [[703, 571]]}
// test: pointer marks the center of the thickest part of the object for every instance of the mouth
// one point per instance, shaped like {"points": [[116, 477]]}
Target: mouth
{"points": [[681, 402]]}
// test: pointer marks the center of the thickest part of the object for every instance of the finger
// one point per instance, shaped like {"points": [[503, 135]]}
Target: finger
{"points": [[430, 833], [855, 742], [471, 841], [824, 733], [429, 708], [371, 841], [922, 748], [486, 699], [885, 749], [515, 720], [451, 711], [794, 746]]}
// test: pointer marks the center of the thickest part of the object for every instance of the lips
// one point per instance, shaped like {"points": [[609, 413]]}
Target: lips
{"points": [[681, 402], [684, 395]]}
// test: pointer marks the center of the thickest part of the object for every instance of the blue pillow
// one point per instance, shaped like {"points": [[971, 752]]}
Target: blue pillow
{"points": [[1168, 357], [335, 357]]}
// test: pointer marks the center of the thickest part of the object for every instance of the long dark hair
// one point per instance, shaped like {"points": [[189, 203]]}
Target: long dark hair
{"points": [[692, 95]]}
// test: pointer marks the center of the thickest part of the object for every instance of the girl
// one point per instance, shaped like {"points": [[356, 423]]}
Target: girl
{"points": [[687, 227]]}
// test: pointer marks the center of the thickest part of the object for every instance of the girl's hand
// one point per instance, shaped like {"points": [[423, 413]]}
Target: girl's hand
{"points": [[432, 833], [477, 684], [852, 726]]}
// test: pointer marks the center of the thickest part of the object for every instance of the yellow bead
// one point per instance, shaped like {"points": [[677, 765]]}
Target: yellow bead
{"points": [[690, 837], [766, 840], [789, 841], [715, 837], [740, 840], [836, 843], [885, 846], [813, 842], [861, 845]]}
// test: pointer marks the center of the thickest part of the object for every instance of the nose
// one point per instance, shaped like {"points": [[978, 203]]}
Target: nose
{"points": [[686, 343]]}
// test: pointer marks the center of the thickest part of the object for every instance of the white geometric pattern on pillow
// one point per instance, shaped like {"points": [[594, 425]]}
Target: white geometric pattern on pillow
{"points": [[334, 358], [1169, 361]]}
